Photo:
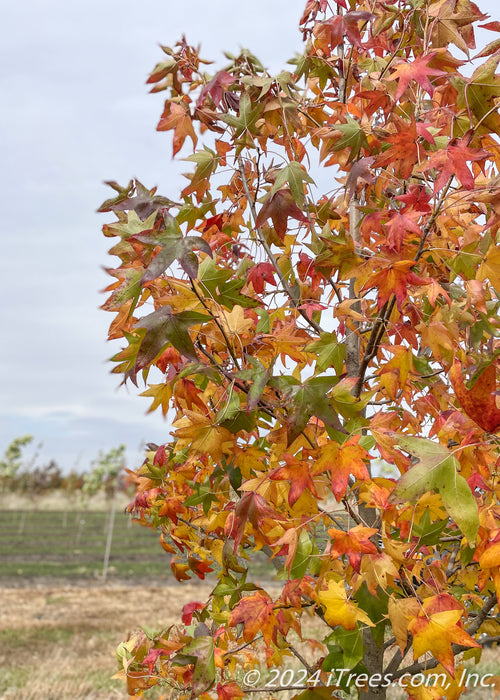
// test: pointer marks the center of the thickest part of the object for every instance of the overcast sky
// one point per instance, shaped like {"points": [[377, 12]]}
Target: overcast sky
{"points": [[76, 112]]}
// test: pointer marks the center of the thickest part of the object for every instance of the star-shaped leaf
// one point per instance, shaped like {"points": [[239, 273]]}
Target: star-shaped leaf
{"points": [[280, 207], [418, 70], [342, 461], [162, 328], [174, 246], [436, 633], [339, 610], [299, 474]]}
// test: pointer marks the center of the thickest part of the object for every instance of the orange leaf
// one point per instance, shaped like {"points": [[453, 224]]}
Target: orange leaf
{"points": [[490, 558], [180, 570], [177, 117], [354, 542], [394, 280], [298, 474], [479, 403], [256, 613], [342, 461], [436, 633]]}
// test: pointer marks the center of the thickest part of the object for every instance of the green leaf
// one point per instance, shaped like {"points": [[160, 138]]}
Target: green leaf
{"points": [[259, 376], [200, 652], [235, 476], [203, 495], [331, 353], [334, 660], [219, 285], [353, 137], [302, 556], [190, 213], [311, 399], [264, 323], [162, 328], [348, 643], [173, 247], [231, 408], [132, 227], [241, 421], [477, 94], [206, 161], [130, 288], [319, 693], [461, 505], [247, 118], [376, 607], [429, 533], [437, 468], [295, 176]]}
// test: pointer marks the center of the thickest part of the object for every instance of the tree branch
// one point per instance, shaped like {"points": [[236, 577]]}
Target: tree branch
{"points": [[270, 254]]}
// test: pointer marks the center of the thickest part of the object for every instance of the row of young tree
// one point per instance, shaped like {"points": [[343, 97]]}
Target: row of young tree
{"points": [[24, 476], [299, 337]]}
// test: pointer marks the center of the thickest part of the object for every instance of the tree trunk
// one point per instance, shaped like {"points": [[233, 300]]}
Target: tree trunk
{"points": [[373, 654]]}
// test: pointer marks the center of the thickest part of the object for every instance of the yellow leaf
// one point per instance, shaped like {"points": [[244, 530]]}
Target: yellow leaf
{"points": [[436, 633], [378, 570], [161, 394], [401, 611], [197, 432], [490, 267], [234, 322], [339, 610]]}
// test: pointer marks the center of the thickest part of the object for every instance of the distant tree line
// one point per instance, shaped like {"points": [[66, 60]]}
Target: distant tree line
{"points": [[24, 476]]}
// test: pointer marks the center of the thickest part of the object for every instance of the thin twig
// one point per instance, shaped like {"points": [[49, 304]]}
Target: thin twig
{"points": [[270, 254], [301, 659]]}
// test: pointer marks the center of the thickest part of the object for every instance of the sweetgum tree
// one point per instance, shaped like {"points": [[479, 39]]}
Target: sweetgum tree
{"points": [[306, 343]]}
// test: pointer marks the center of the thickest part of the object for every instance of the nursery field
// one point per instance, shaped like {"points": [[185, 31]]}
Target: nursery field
{"points": [[60, 624], [71, 545]]}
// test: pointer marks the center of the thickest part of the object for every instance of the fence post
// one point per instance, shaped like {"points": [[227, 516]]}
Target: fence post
{"points": [[109, 540]]}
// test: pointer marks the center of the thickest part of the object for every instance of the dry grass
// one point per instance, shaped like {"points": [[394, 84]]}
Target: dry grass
{"points": [[57, 643], [59, 500]]}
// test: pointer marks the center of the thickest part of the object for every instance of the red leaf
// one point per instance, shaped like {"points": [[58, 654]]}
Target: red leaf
{"points": [[279, 207], [298, 474], [417, 70], [188, 610], [479, 403], [492, 26], [261, 274], [453, 162], [252, 508], [228, 691], [397, 228]]}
